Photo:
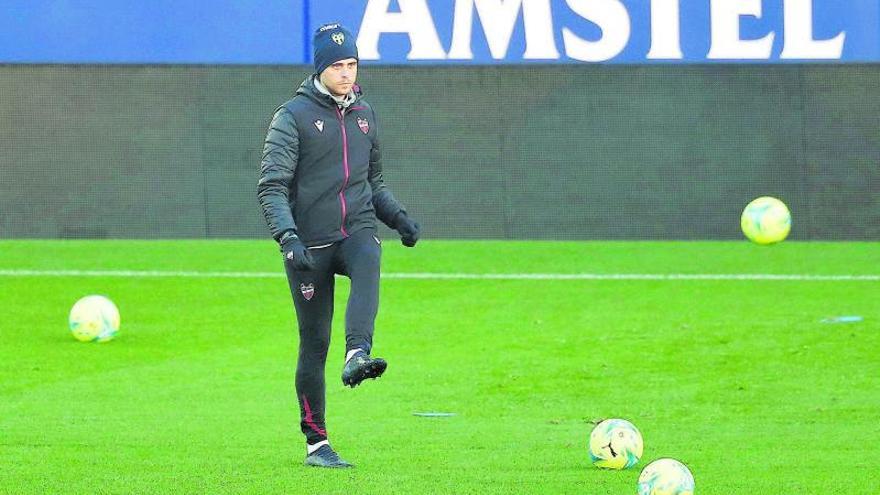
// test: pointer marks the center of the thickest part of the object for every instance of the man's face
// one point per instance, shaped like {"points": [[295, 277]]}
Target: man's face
{"points": [[339, 77]]}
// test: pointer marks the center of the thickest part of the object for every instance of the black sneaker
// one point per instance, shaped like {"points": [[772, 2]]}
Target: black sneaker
{"points": [[360, 367], [326, 457]]}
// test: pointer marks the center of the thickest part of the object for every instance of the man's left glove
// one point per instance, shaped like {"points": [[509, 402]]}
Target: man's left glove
{"points": [[296, 252], [409, 230]]}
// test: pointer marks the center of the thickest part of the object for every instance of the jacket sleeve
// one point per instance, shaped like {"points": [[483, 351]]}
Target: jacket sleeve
{"points": [[277, 169], [386, 206]]}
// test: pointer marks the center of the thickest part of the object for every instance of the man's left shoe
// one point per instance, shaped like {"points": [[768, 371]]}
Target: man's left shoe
{"points": [[360, 367], [326, 457]]}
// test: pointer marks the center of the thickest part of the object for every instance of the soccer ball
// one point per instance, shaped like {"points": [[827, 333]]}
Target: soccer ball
{"points": [[615, 444], [666, 477], [94, 319], [766, 220]]}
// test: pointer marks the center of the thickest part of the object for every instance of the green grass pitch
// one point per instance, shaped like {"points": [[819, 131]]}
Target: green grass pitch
{"points": [[739, 379]]}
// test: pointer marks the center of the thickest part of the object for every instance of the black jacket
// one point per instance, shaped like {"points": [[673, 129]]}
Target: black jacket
{"points": [[321, 174]]}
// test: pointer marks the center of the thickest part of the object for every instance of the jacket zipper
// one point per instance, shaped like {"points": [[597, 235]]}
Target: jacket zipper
{"points": [[345, 169]]}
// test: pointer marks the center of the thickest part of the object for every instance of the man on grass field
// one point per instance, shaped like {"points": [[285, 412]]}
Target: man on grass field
{"points": [[321, 191]]}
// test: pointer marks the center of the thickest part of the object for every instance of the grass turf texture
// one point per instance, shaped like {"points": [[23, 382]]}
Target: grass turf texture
{"points": [[738, 379]]}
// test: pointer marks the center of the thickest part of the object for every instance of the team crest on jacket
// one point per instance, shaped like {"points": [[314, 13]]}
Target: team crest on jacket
{"points": [[320, 125], [308, 291], [338, 38], [364, 125]]}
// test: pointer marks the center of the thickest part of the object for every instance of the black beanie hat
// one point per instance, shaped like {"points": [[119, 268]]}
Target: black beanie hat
{"points": [[333, 43]]}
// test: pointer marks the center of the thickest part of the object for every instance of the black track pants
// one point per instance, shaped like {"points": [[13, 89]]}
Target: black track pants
{"points": [[356, 257]]}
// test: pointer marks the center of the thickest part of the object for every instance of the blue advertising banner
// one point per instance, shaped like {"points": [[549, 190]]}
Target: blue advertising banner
{"points": [[443, 31], [152, 31], [611, 31]]}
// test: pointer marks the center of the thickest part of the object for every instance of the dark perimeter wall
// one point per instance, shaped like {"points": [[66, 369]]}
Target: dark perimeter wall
{"points": [[573, 152]]}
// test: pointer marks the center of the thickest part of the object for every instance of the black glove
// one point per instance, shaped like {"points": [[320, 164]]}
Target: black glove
{"points": [[409, 231], [296, 252]]}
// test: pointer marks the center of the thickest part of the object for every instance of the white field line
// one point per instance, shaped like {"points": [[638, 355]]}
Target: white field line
{"points": [[456, 276]]}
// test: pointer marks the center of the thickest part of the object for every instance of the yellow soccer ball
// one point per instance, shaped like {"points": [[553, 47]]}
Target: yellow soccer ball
{"points": [[766, 220], [94, 319], [615, 444], [666, 477]]}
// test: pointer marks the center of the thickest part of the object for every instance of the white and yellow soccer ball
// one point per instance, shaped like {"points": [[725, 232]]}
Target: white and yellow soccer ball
{"points": [[666, 477], [766, 220], [615, 444], [94, 319]]}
